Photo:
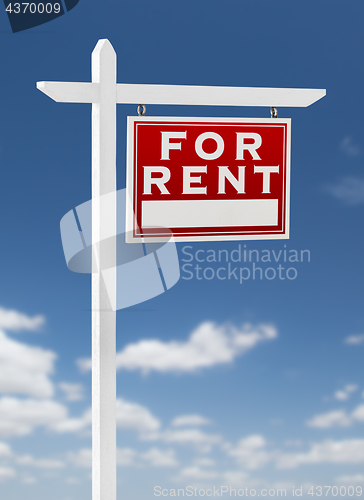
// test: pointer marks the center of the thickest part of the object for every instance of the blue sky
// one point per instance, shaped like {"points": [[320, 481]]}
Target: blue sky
{"points": [[286, 409]]}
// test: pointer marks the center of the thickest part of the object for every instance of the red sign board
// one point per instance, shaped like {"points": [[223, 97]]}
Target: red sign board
{"points": [[208, 178]]}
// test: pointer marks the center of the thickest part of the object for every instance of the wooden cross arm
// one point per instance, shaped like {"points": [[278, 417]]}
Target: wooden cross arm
{"points": [[184, 94], [216, 96], [70, 92]]}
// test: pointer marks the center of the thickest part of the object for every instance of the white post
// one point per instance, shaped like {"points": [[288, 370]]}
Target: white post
{"points": [[103, 317]]}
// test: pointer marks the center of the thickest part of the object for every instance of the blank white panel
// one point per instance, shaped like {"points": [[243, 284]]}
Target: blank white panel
{"points": [[209, 213]]}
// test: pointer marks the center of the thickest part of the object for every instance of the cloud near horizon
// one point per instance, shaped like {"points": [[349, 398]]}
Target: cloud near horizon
{"points": [[190, 420], [349, 190], [354, 339], [25, 369], [337, 418], [129, 415], [207, 346], [253, 452], [350, 147], [11, 319]]}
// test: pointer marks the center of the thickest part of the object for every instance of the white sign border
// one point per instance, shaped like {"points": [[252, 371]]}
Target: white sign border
{"points": [[130, 218]]}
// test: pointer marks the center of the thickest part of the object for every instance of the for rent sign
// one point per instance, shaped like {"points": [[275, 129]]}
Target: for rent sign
{"points": [[208, 178]]}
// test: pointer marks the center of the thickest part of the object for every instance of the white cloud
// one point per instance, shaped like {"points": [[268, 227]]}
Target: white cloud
{"points": [[160, 458], [276, 421], [50, 474], [336, 418], [240, 480], [341, 395], [81, 458], [349, 190], [349, 480], [72, 480], [207, 346], [236, 478], [6, 473], [349, 147], [349, 451], [134, 416], [201, 440], [25, 369], [344, 394], [358, 413], [351, 388], [128, 416], [5, 450], [204, 462], [28, 479], [293, 443], [187, 420], [251, 452], [72, 392], [196, 472], [43, 463], [18, 417], [354, 339], [16, 321], [72, 424], [127, 456]]}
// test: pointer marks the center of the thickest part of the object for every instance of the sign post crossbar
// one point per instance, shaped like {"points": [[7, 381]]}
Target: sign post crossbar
{"points": [[185, 94], [104, 93]]}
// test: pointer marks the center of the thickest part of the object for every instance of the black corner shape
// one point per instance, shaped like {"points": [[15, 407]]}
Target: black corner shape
{"points": [[24, 15], [70, 4]]}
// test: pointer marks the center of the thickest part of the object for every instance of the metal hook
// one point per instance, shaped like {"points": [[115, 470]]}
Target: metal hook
{"points": [[141, 109], [273, 112]]}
